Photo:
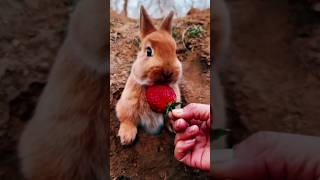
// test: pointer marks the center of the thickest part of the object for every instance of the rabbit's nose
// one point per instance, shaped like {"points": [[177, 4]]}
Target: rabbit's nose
{"points": [[167, 75]]}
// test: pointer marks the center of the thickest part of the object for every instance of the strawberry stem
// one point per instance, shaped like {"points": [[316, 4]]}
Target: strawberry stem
{"points": [[169, 108]]}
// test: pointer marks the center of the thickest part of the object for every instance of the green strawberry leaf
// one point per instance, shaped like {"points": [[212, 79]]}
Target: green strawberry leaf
{"points": [[218, 133], [175, 104], [169, 108]]}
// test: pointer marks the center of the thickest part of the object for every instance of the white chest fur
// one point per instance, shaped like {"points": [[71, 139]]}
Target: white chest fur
{"points": [[152, 122]]}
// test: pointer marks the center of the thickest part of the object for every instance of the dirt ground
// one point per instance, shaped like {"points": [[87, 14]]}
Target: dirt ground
{"points": [[151, 157], [272, 80]]}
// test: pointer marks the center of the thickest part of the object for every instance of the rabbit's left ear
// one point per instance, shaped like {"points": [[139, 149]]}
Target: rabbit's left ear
{"points": [[146, 26], [167, 23]]}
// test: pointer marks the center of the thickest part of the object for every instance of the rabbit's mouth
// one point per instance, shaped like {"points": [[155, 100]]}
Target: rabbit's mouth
{"points": [[159, 80], [158, 77], [163, 81], [164, 77]]}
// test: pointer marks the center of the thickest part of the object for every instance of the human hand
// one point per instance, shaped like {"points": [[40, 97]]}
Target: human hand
{"points": [[192, 141], [270, 155]]}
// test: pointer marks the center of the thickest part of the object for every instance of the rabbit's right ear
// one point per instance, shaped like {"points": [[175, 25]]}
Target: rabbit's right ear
{"points": [[146, 26]]}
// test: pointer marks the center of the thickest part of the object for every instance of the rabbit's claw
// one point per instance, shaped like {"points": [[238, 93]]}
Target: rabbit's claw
{"points": [[127, 133]]}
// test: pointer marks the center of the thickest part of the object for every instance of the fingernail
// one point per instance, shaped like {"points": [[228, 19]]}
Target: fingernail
{"points": [[189, 141], [179, 122], [192, 129], [177, 112]]}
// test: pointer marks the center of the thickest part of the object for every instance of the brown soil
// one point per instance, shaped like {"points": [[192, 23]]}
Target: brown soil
{"points": [[151, 157]]}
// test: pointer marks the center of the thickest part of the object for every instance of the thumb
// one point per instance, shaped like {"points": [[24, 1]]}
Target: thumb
{"points": [[196, 111], [176, 114]]}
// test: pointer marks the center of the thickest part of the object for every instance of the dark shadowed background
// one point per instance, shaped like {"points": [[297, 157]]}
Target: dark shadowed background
{"points": [[30, 35], [272, 81]]}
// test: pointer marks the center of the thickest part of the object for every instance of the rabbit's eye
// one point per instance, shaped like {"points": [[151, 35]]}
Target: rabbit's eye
{"points": [[149, 51]]}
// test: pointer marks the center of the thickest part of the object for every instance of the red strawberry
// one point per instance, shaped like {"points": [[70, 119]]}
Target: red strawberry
{"points": [[160, 97]]}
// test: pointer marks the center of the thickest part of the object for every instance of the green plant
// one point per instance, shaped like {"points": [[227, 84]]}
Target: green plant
{"points": [[194, 31]]}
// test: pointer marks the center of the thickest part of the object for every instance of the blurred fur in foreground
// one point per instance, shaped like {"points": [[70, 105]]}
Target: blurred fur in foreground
{"points": [[66, 138]]}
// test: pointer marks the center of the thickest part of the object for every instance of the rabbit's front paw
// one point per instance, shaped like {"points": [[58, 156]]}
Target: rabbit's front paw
{"points": [[127, 133]]}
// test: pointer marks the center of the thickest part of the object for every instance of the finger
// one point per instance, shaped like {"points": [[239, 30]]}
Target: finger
{"points": [[196, 111], [190, 133], [171, 122], [180, 125], [182, 148], [170, 115], [195, 122], [176, 114]]}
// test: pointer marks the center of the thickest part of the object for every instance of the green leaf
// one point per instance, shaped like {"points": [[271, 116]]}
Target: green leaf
{"points": [[174, 105], [218, 133], [169, 108], [194, 31]]}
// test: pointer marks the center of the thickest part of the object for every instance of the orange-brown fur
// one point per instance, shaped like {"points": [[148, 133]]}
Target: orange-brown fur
{"points": [[66, 138], [132, 108]]}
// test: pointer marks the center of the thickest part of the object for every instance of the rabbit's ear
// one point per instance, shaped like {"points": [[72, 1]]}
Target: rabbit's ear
{"points": [[167, 23], [146, 26]]}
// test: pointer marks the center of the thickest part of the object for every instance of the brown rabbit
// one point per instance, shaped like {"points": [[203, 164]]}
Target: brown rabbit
{"points": [[66, 139], [156, 63]]}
